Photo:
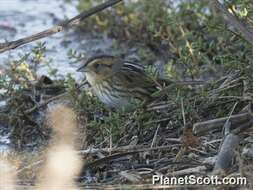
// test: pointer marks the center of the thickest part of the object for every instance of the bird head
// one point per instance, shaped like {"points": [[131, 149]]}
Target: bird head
{"points": [[100, 67]]}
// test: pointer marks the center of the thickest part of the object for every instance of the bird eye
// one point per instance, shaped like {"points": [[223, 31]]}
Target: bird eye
{"points": [[96, 66]]}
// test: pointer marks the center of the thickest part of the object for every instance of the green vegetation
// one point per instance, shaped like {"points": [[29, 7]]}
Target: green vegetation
{"points": [[189, 39], [185, 41], [193, 42], [192, 36]]}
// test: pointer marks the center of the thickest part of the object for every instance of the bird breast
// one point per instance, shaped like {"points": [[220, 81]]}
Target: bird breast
{"points": [[111, 97]]}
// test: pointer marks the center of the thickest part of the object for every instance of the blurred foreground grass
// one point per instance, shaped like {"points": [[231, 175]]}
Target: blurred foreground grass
{"points": [[188, 40]]}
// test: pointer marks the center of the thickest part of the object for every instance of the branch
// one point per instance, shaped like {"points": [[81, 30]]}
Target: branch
{"points": [[58, 28], [205, 126], [227, 152], [244, 119], [234, 21]]}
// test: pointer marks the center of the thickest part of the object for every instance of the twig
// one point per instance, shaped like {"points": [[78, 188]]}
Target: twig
{"points": [[106, 159], [36, 107], [126, 148], [234, 21], [227, 125], [133, 178], [198, 169], [183, 112], [243, 127], [155, 137], [60, 27], [30, 166], [241, 121]]}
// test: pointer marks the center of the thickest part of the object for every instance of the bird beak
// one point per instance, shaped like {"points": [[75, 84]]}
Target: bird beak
{"points": [[82, 69]]}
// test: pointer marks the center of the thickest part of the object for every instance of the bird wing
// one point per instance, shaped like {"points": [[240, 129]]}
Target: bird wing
{"points": [[133, 77]]}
